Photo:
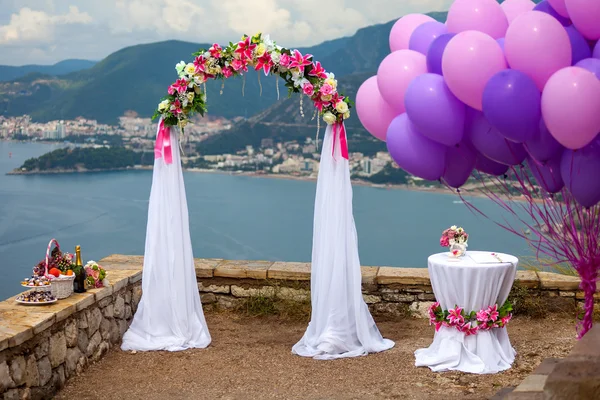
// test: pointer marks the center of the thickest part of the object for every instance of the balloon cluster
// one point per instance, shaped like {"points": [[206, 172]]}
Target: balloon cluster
{"points": [[493, 87]]}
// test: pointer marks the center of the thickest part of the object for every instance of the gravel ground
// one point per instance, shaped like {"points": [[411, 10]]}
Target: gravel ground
{"points": [[250, 358]]}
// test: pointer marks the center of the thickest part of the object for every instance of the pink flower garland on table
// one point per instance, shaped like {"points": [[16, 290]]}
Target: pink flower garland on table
{"points": [[470, 323], [300, 72]]}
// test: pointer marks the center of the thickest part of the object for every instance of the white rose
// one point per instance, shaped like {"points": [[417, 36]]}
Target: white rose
{"points": [[329, 118], [331, 82], [179, 67], [190, 69], [341, 107], [260, 50], [326, 97], [347, 115], [190, 97], [275, 56], [163, 105]]}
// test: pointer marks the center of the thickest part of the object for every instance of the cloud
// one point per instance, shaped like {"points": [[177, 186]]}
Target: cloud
{"points": [[95, 28], [32, 26]]}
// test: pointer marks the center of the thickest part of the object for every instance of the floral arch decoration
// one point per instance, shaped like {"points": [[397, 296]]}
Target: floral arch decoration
{"points": [[187, 96]]}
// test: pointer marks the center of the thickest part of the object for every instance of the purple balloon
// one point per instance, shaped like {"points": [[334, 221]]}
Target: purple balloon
{"points": [[434, 110], [436, 51], [501, 42], [424, 34], [579, 170], [545, 7], [460, 161], [591, 64], [413, 152], [487, 166], [580, 48], [596, 53], [547, 175], [512, 104], [488, 141], [542, 146]]}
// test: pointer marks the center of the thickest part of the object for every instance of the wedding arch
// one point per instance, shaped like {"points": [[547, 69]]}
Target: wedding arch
{"points": [[170, 315]]}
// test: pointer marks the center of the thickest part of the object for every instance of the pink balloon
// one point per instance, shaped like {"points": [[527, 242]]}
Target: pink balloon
{"points": [[513, 8], [585, 15], [374, 113], [538, 45], [477, 15], [560, 7], [570, 105], [395, 73], [471, 58], [403, 29]]}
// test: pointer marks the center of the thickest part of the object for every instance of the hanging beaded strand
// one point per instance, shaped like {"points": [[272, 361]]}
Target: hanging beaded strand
{"points": [[277, 85], [259, 84], [222, 87], [301, 109]]}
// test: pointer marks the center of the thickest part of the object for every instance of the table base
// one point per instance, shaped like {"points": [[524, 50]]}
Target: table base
{"points": [[486, 352]]}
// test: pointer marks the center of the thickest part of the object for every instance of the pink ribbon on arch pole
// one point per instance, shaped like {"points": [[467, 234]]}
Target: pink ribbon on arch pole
{"points": [[339, 128], [163, 142]]}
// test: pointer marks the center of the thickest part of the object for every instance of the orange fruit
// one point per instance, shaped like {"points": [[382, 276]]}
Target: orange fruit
{"points": [[55, 272], [69, 272]]}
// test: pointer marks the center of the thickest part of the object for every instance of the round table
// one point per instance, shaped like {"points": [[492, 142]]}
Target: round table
{"points": [[473, 283]]}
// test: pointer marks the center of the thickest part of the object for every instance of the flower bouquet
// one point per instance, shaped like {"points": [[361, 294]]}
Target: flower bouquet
{"points": [[96, 275], [456, 239]]}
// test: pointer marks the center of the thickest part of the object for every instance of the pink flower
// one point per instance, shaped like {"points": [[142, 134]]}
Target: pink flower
{"points": [[227, 72], [239, 65], [468, 329], [318, 71], [284, 60], [451, 234], [215, 51], [265, 63], [180, 86], [320, 104], [176, 107], [244, 48], [438, 325], [493, 312], [326, 89], [455, 317], [444, 242], [308, 89], [505, 319], [482, 316], [299, 61]]}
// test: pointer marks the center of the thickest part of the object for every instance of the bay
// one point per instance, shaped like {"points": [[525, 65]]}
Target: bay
{"points": [[231, 217]]}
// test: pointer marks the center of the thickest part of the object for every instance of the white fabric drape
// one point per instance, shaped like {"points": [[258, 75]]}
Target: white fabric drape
{"points": [[471, 286], [169, 315], [341, 324]]}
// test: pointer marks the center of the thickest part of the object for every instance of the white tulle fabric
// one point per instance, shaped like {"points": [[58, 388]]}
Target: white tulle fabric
{"points": [[169, 315], [471, 286], [340, 325]]}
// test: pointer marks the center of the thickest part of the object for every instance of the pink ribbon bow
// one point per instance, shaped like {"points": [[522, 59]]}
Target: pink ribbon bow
{"points": [[163, 142], [343, 142]]}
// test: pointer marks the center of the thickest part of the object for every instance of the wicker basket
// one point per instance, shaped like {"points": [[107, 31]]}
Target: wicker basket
{"points": [[61, 287]]}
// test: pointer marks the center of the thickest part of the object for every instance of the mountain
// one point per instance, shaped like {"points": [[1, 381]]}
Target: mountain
{"points": [[9, 73], [136, 78]]}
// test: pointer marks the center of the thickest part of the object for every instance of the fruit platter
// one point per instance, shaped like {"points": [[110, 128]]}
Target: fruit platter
{"points": [[36, 297], [37, 282]]}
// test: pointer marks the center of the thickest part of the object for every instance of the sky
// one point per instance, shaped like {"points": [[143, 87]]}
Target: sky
{"points": [[48, 31]]}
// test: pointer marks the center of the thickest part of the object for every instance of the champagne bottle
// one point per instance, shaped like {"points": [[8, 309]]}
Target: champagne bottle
{"points": [[79, 282]]}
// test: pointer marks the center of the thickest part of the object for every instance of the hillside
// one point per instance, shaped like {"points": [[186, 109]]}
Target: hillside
{"points": [[136, 77], [9, 72]]}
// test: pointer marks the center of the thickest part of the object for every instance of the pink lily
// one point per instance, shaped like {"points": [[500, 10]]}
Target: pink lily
{"points": [[227, 72], [176, 107], [318, 71], [299, 61], [245, 48], [455, 316], [180, 86], [482, 316], [438, 325], [468, 329], [284, 60], [493, 312], [265, 63], [239, 65], [308, 89], [215, 51], [320, 104], [200, 63], [506, 319]]}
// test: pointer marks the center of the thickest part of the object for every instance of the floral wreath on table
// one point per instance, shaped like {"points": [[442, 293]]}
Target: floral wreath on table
{"points": [[470, 323], [300, 73]]}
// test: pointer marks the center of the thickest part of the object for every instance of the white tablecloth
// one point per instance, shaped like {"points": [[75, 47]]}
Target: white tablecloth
{"points": [[471, 286]]}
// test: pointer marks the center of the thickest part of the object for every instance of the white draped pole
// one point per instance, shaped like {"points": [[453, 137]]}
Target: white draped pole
{"points": [[169, 315], [341, 324]]}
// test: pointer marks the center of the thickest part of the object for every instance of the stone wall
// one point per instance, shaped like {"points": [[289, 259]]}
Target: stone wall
{"points": [[43, 346], [389, 291]]}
